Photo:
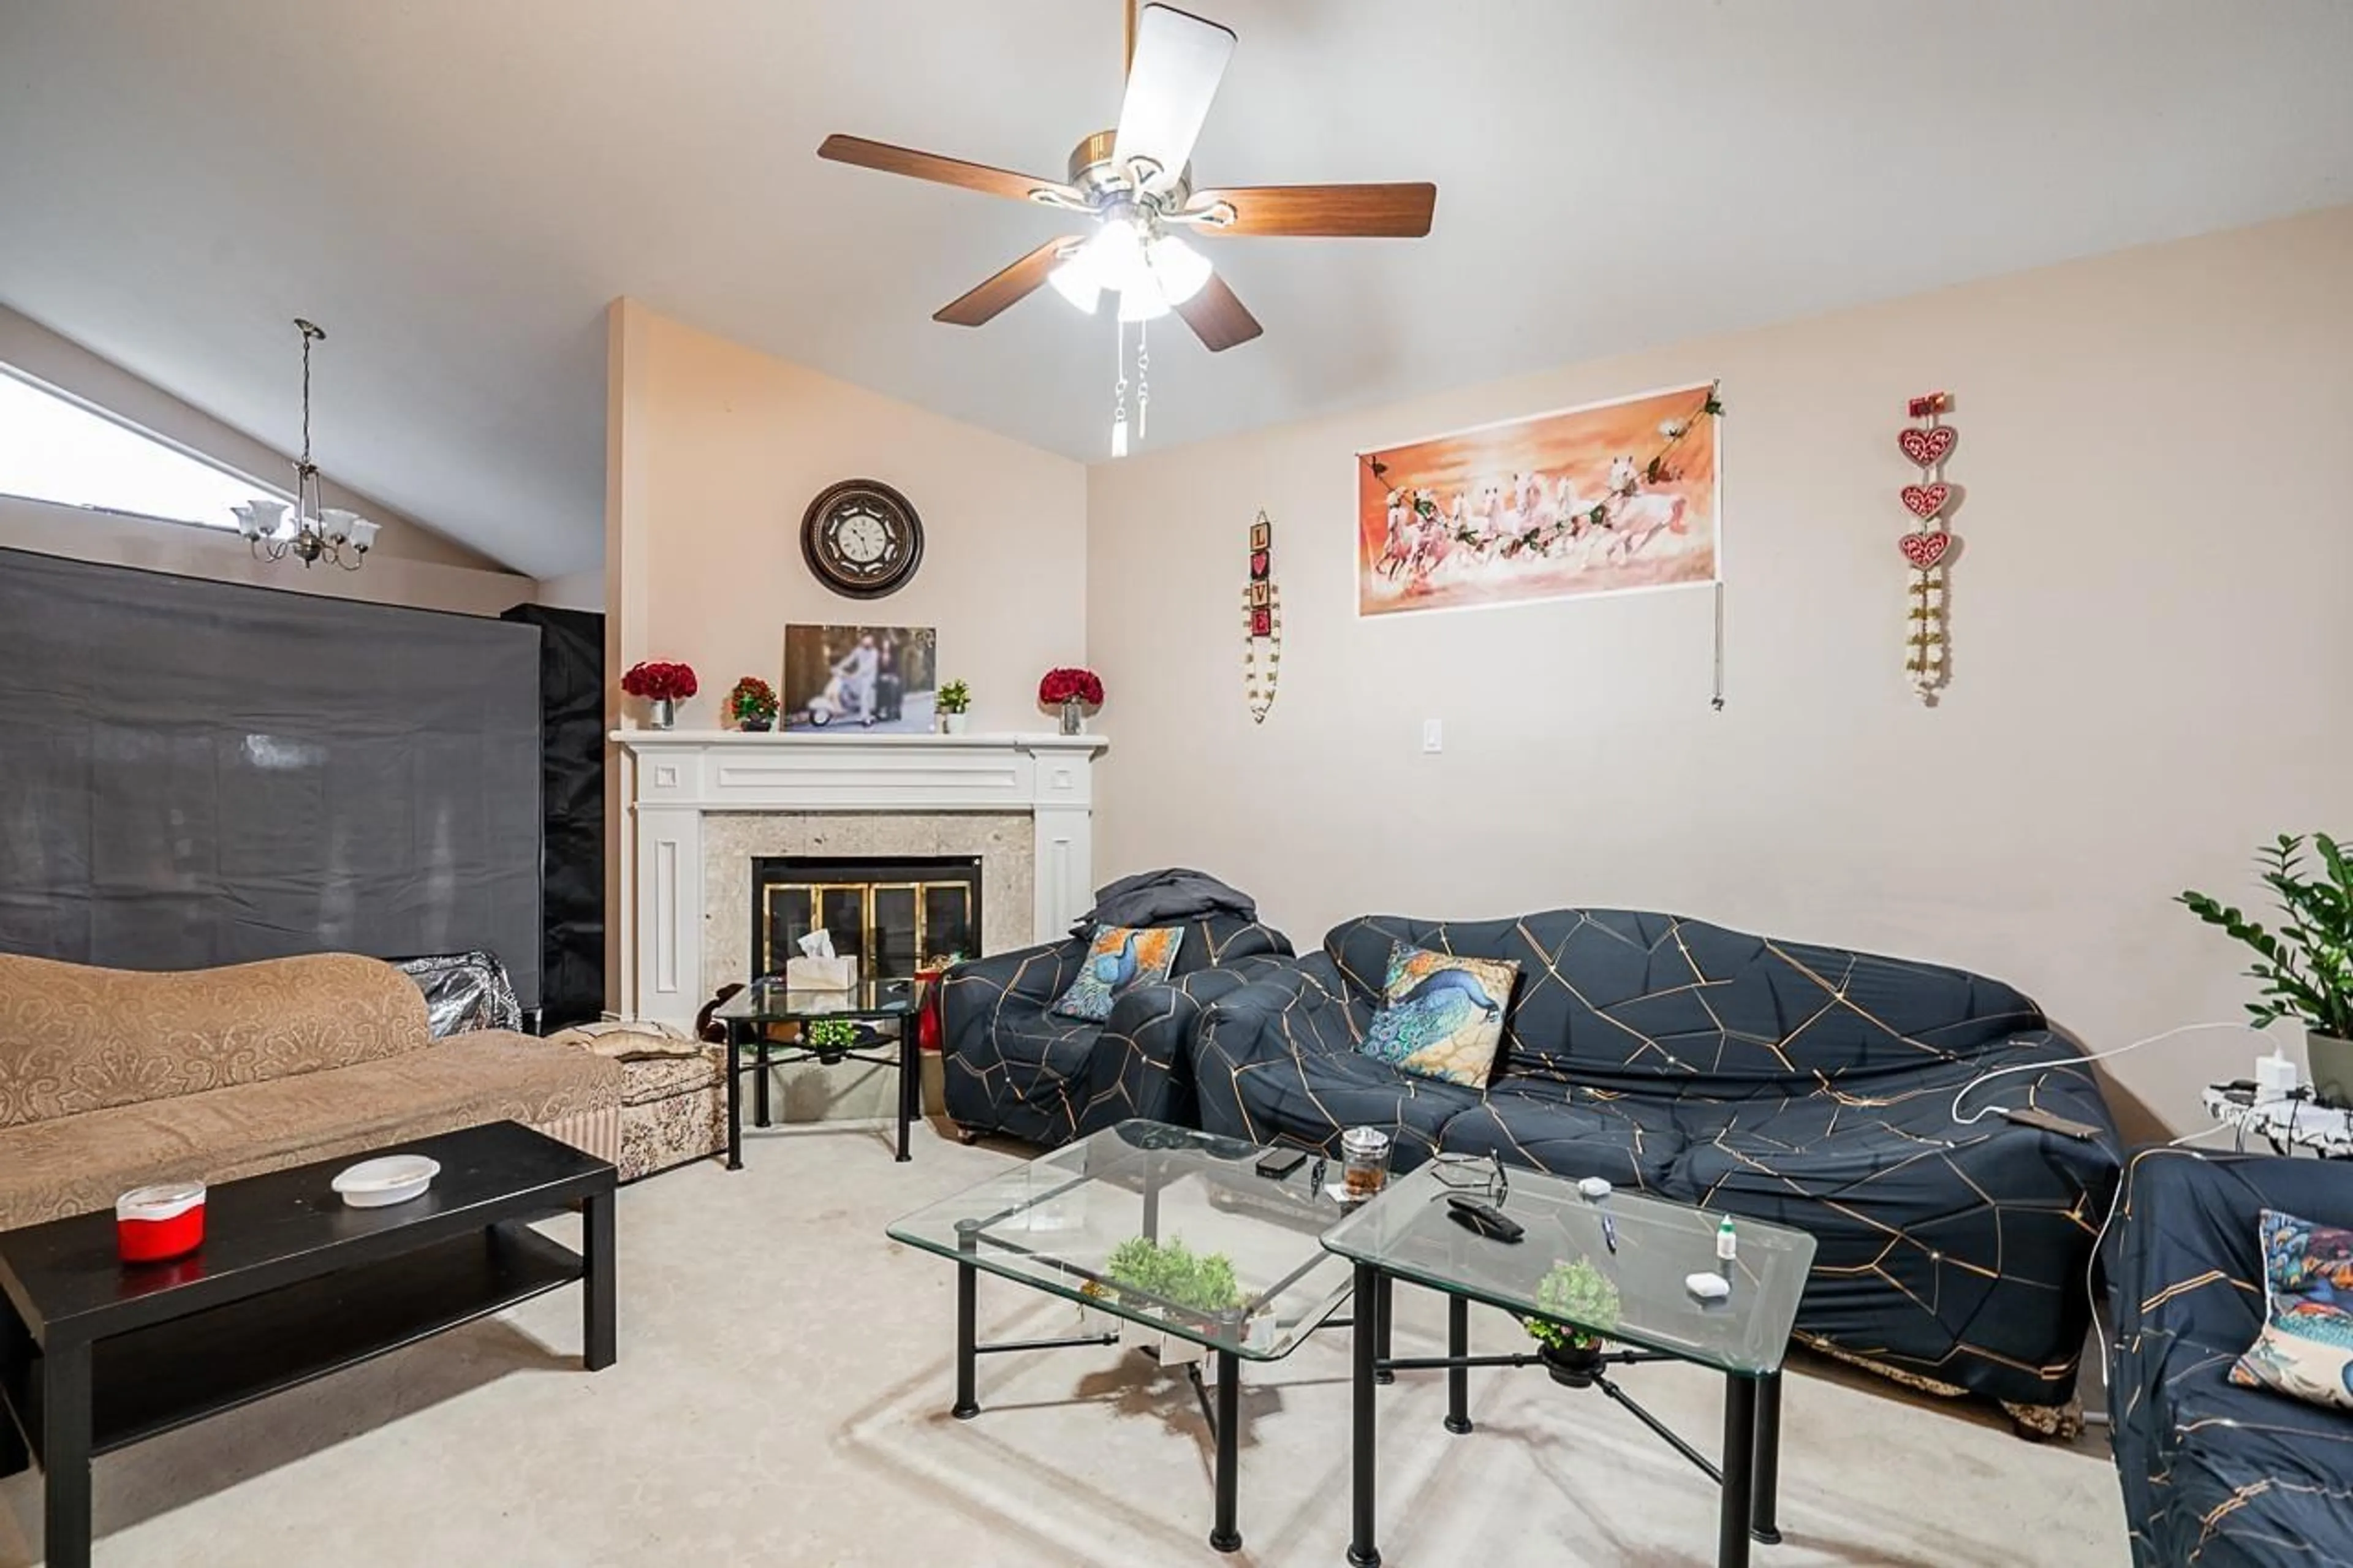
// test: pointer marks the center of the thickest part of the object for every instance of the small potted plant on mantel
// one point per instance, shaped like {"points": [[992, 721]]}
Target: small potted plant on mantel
{"points": [[2305, 971], [752, 704], [955, 706], [663, 686], [1073, 691], [1577, 1293]]}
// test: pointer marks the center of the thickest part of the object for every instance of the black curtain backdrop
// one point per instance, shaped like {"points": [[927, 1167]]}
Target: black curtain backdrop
{"points": [[572, 785], [195, 774]]}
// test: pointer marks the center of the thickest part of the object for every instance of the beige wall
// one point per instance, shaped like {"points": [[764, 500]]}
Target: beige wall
{"points": [[720, 448], [186, 550], [712, 451], [2151, 642]]}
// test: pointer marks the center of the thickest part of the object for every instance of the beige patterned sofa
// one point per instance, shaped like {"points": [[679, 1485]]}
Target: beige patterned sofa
{"points": [[110, 1079]]}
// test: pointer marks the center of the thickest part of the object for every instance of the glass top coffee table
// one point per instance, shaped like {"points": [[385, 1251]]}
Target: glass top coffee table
{"points": [[1607, 1278], [1100, 1222], [870, 1008]]}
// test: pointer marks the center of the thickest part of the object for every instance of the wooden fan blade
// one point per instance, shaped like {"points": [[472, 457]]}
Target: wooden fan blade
{"points": [[1016, 283], [1218, 319], [1373, 212], [942, 171]]}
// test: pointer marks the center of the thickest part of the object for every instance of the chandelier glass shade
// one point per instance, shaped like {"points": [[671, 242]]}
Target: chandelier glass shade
{"points": [[315, 531]]}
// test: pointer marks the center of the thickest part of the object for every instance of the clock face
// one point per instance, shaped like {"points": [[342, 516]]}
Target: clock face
{"points": [[863, 538]]}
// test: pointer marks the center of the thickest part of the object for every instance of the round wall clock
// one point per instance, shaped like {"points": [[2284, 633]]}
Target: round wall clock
{"points": [[863, 538]]}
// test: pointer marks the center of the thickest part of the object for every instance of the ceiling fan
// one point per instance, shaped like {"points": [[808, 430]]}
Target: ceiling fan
{"points": [[1135, 184]]}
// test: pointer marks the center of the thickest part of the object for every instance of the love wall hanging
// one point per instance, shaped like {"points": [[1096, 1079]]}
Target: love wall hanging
{"points": [[1261, 623], [1930, 546]]}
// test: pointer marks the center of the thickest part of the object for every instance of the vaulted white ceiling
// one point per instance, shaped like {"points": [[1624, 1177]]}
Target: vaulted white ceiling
{"points": [[457, 188]]}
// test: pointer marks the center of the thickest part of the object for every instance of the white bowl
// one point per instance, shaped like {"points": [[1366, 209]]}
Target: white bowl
{"points": [[395, 1179]]}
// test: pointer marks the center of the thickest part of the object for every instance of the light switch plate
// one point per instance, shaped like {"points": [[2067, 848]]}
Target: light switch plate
{"points": [[1433, 735]]}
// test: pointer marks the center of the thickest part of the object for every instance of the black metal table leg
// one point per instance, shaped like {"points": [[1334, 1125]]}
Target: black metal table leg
{"points": [[1385, 1297], [1458, 1377], [760, 1078], [967, 1318], [598, 1321], [1362, 1553], [65, 1455], [1223, 1535], [1739, 1471], [1766, 1480], [910, 1083], [735, 1096], [15, 1372]]}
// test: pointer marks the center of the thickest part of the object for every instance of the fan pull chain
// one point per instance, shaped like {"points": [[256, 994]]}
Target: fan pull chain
{"points": [[1143, 382], [1119, 393]]}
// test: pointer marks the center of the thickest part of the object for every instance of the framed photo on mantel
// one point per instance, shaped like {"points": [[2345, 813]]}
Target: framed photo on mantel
{"points": [[863, 679]]}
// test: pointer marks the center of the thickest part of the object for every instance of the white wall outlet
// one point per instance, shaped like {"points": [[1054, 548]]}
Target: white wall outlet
{"points": [[1433, 735]]}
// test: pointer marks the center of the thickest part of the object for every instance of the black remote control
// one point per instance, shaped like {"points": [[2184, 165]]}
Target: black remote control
{"points": [[1484, 1218]]}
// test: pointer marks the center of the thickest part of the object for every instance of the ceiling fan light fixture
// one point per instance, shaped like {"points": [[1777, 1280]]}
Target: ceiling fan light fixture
{"points": [[1142, 300], [1179, 268], [1074, 280]]}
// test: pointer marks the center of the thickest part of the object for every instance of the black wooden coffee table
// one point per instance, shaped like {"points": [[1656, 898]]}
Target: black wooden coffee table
{"points": [[290, 1285]]}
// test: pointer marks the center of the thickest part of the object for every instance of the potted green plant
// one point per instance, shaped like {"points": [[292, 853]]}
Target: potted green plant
{"points": [[752, 704], [2304, 970], [1575, 1294], [955, 703], [1171, 1278]]}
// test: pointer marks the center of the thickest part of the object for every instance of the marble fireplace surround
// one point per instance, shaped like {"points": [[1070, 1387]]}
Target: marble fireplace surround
{"points": [[1003, 841], [703, 804]]}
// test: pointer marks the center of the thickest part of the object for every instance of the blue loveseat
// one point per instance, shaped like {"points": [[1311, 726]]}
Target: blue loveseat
{"points": [[2215, 1474], [1012, 1065], [1782, 1080]]}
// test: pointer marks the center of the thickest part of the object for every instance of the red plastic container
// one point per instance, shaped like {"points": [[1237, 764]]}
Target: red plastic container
{"points": [[154, 1225]]}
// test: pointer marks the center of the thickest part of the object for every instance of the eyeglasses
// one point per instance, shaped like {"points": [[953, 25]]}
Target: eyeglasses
{"points": [[1467, 1173]]}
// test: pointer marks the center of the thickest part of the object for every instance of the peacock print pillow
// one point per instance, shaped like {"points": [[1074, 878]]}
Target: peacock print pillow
{"points": [[2306, 1350], [1121, 956], [1442, 1015]]}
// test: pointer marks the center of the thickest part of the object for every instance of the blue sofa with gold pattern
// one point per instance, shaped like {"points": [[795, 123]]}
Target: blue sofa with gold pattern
{"points": [[1786, 1081], [1010, 1064], [2215, 1474]]}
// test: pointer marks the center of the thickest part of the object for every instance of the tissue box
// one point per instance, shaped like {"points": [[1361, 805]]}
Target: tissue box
{"points": [[821, 974]]}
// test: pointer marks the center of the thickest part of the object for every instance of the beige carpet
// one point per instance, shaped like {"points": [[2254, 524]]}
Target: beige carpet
{"points": [[781, 1399]]}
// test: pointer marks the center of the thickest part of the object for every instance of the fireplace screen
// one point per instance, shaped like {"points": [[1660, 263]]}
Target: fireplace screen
{"points": [[896, 916]]}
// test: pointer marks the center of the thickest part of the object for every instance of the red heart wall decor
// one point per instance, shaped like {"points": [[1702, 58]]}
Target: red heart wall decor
{"points": [[1924, 501], [1925, 549], [1928, 446]]}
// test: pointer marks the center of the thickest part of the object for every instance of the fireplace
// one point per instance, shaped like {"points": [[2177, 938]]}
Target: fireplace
{"points": [[896, 916]]}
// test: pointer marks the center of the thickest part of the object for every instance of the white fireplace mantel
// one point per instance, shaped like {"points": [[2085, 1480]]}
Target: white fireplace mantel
{"points": [[676, 777]]}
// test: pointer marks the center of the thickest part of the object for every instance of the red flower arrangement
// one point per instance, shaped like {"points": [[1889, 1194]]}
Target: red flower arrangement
{"points": [[659, 682], [1062, 686]]}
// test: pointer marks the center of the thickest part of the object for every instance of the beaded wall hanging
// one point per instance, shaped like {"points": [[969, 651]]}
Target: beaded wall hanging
{"points": [[1261, 623], [1929, 546]]}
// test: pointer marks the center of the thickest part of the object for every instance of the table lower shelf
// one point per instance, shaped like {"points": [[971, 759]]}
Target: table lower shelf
{"points": [[155, 1379]]}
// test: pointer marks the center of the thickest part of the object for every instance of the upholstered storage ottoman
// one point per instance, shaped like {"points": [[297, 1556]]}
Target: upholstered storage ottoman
{"points": [[673, 1093]]}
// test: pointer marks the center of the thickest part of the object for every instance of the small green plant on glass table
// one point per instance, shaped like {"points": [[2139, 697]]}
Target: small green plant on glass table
{"points": [[830, 1034], [1172, 1273], [1581, 1293]]}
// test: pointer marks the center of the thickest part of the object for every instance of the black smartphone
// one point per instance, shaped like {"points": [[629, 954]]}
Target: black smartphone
{"points": [[1277, 1163], [2049, 1122]]}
